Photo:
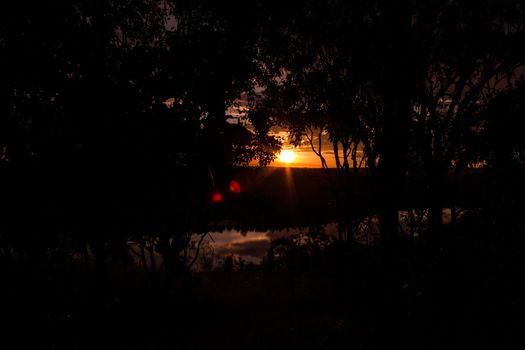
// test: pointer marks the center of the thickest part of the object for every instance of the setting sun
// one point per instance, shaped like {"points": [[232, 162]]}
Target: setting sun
{"points": [[287, 156]]}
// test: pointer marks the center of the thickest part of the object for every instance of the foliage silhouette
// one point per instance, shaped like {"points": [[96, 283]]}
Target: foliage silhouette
{"points": [[123, 123]]}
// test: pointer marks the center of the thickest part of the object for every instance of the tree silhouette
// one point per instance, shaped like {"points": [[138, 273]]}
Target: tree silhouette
{"points": [[317, 85], [467, 57], [121, 111]]}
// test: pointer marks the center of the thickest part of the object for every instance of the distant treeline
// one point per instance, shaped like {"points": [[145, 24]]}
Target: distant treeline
{"points": [[274, 198]]}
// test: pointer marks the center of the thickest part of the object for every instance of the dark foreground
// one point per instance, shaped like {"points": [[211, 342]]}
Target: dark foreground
{"points": [[62, 289], [312, 294]]}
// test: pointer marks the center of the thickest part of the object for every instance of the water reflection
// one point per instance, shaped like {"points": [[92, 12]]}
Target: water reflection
{"points": [[250, 246], [253, 245]]}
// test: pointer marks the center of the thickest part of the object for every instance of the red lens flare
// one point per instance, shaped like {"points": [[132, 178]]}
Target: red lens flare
{"points": [[235, 187], [216, 197]]}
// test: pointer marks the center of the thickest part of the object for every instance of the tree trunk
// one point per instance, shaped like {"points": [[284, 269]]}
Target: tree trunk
{"points": [[435, 214], [397, 87], [454, 195], [99, 279], [177, 276]]}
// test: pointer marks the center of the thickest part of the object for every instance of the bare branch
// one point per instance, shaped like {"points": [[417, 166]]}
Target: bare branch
{"points": [[197, 251], [137, 254]]}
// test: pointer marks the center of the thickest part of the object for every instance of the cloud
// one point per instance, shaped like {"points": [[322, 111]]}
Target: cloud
{"points": [[253, 248]]}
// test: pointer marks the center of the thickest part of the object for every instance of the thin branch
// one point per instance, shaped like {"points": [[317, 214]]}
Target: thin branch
{"points": [[336, 154], [316, 151], [197, 251], [134, 252]]}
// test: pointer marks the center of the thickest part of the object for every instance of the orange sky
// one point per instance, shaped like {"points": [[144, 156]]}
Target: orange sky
{"points": [[304, 156]]}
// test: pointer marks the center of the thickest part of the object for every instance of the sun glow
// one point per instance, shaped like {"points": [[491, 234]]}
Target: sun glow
{"points": [[286, 156]]}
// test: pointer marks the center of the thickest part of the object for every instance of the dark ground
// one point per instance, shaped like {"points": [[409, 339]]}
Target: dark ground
{"points": [[313, 295]]}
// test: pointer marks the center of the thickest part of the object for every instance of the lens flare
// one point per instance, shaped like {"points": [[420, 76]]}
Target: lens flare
{"points": [[235, 187], [216, 197]]}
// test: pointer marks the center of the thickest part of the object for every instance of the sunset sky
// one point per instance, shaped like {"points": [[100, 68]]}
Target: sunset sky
{"points": [[304, 157]]}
